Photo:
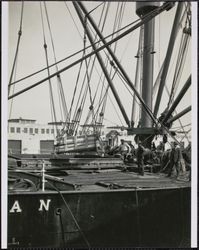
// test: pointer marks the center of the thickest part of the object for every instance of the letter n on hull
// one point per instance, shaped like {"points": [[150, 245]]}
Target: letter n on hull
{"points": [[44, 205]]}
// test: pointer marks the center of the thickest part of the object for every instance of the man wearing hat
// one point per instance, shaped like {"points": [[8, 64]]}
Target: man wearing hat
{"points": [[175, 156]]}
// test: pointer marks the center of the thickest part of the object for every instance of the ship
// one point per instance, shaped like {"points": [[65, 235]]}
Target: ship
{"points": [[84, 196]]}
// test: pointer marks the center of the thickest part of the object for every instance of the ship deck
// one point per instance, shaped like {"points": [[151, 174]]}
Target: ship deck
{"points": [[91, 174], [118, 179]]}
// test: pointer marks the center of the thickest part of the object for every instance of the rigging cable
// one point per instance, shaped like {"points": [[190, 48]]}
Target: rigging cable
{"points": [[157, 82], [105, 16], [75, 89], [120, 19], [88, 80], [15, 72], [87, 74], [17, 48], [156, 121], [144, 20], [100, 76], [180, 65], [91, 71], [72, 55], [117, 25], [189, 124], [181, 126], [72, 215], [53, 113], [73, 19], [61, 91]]}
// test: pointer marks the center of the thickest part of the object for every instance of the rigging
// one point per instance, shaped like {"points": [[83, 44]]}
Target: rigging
{"points": [[141, 22], [48, 71], [59, 80], [72, 55], [17, 48]]}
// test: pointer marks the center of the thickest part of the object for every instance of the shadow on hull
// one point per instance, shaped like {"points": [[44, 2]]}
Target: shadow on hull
{"points": [[135, 218]]}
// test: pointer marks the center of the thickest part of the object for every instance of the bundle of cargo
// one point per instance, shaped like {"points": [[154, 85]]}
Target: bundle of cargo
{"points": [[80, 143]]}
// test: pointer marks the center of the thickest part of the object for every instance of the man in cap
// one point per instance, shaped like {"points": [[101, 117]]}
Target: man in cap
{"points": [[140, 158], [175, 157]]}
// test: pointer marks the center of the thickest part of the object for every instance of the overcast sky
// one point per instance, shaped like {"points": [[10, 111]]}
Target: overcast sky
{"points": [[35, 104]]}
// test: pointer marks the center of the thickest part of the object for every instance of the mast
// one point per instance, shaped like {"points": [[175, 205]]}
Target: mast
{"points": [[143, 8]]}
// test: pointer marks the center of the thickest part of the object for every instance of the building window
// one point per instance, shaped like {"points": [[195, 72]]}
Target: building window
{"points": [[25, 130], [36, 130], [52, 131], [12, 129], [47, 131], [31, 131], [18, 130], [43, 131]]}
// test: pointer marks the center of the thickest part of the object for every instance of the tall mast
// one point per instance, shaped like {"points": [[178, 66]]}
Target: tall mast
{"points": [[143, 8]]}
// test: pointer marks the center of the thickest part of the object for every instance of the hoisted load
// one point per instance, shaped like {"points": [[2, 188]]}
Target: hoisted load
{"points": [[79, 143]]}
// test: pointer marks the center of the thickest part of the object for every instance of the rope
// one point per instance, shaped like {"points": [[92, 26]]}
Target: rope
{"points": [[91, 111], [179, 66], [48, 70], [78, 75], [117, 25], [182, 63], [72, 55], [80, 106], [17, 48], [15, 73], [64, 106], [183, 126], [95, 8], [73, 19], [72, 215], [157, 121]]}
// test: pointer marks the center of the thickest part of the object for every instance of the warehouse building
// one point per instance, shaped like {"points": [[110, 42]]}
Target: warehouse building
{"points": [[26, 136]]}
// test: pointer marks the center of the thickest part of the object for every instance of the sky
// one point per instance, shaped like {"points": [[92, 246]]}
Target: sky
{"points": [[67, 38]]}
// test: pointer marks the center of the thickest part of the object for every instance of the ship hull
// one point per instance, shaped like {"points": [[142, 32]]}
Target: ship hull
{"points": [[112, 218]]}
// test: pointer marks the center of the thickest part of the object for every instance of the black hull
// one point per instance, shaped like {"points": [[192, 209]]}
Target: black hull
{"points": [[115, 218]]}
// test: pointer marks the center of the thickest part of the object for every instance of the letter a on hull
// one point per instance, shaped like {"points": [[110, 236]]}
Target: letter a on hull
{"points": [[15, 208]]}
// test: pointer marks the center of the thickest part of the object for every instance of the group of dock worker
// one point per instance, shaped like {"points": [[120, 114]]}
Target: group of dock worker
{"points": [[170, 161]]}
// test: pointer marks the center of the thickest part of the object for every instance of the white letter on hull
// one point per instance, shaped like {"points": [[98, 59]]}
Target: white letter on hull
{"points": [[15, 207], [42, 204]]}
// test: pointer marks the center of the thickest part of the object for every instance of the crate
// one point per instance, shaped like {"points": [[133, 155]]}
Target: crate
{"points": [[79, 143]]}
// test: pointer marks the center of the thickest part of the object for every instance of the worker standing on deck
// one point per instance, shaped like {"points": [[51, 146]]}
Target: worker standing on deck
{"points": [[124, 149], [175, 159], [140, 158]]}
